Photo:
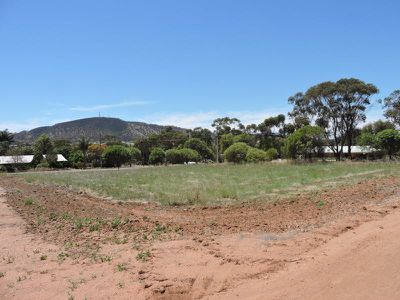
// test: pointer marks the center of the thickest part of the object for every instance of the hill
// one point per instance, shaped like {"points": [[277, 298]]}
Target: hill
{"points": [[94, 129]]}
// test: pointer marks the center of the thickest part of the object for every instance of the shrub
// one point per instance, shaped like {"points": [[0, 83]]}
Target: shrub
{"points": [[190, 155], [180, 156], [272, 153], [116, 156], [236, 153], [174, 156], [76, 159], [256, 155], [135, 155], [157, 156]]}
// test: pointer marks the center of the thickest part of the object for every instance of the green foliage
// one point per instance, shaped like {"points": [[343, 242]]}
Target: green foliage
{"points": [[157, 156], [6, 138], [76, 159], [116, 156], [180, 156], [226, 140], [236, 153], [135, 155], [338, 107], [43, 146], [203, 134], [306, 142], [272, 154], [255, 155], [389, 141], [392, 107], [249, 139], [201, 147]]}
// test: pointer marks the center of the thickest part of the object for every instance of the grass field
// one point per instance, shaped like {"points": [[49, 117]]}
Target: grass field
{"points": [[207, 184]]}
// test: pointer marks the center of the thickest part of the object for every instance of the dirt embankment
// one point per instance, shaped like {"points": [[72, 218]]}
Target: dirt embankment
{"points": [[96, 248]]}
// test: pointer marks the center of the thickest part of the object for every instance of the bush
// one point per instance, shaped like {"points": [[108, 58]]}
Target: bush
{"points": [[76, 159], [236, 153], [190, 155], [135, 155], [157, 156], [180, 156], [174, 156], [116, 156], [255, 155], [272, 153]]}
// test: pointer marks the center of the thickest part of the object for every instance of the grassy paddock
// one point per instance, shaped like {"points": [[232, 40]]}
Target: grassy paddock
{"points": [[207, 184]]}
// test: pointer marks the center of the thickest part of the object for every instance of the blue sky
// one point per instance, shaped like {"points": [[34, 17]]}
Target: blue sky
{"points": [[186, 62]]}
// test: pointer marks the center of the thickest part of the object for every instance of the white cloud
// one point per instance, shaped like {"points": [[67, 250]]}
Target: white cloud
{"points": [[108, 106], [204, 119]]}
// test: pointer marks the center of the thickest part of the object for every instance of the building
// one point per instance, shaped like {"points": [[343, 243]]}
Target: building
{"points": [[24, 159]]}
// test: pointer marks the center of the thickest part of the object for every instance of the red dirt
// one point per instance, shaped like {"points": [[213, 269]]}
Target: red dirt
{"points": [[247, 251]]}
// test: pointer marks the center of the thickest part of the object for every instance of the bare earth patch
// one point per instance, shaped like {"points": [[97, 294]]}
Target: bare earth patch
{"points": [[59, 244]]}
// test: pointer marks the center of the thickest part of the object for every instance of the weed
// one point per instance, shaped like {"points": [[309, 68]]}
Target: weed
{"points": [[62, 256], [321, 204], [105, 258], [53, 216], [143, 255], [36, 251], [29, 201], [66, 216], [2, 274], [121, 267], [116, 222], [43, 257], [94, 227], [120, 285]]}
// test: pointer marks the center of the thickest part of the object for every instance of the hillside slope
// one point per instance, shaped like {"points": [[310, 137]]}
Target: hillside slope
{"points": [[92, 128]]}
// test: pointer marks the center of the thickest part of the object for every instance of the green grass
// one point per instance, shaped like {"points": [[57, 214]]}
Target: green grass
{"points": [[207, 184]]}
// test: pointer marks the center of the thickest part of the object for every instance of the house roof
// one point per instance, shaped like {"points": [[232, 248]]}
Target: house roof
{"points": [[24, 159]]}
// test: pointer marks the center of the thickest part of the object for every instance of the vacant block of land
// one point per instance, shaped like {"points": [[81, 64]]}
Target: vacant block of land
{"points": [[214, 184]]}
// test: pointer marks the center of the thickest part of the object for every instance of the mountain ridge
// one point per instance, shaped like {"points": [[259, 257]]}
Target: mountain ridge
{"points": [[94, 129]]}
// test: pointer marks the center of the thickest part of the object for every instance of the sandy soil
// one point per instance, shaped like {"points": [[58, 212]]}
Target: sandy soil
{"points": [[346, 247]]}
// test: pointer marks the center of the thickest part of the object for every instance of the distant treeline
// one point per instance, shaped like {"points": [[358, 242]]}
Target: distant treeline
{"points": [[328, 114]]}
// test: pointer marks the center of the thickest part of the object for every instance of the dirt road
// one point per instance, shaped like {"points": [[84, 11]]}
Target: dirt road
{"points": [[348, 249], [363, 263]]}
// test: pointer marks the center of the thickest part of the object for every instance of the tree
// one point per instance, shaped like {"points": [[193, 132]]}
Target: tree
{"points": [[305, 142], [203, 134], [377, 126], [389, 141], [223, 126], [6, 138], [339, 107], [392, 107], [201, 147], [116, 155], [83, 145], [43, 146], [95, 154], [236, 153], [157, 156]]}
